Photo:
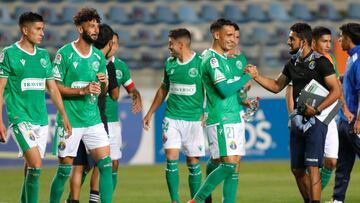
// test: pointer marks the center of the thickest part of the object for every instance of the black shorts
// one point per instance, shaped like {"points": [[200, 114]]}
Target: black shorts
{"points": [[82, 158], [307, 149]]}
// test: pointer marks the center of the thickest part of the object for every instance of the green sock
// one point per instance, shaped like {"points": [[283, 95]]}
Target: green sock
{"points": [[23, 192], [230, 188], [32, 185], [325, 175], [215, 178], [210, 166], [114, 178], [60, 178], [172, 179], [105, 185], [83, 178], [194, 178]]}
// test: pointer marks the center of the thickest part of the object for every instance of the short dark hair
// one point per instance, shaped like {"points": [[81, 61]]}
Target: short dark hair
{"points": [[237, 28], [303, 30], [319, 31], [352, 30], [116, 34], [106, 34], [219, 23], [30, 17], [179, 33], [86, 14]]}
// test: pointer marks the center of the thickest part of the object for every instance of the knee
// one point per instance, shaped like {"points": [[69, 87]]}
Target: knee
{"points": [[115, 165], [330, 164], [192, 160]]}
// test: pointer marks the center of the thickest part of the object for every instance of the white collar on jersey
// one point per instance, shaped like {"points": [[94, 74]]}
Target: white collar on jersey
{"points": [[186, 62], [31, 54], [82, 56], [223, 56]]}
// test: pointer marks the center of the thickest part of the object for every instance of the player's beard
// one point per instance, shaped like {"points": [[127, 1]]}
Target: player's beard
{"points": [[87, 38]]}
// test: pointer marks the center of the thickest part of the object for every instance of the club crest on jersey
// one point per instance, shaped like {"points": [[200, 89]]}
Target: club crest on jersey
{"points": [[43, 62], [61, 146], [31, 136], [214, 63], [239, 65], [193, 72], [95, 66], [58, 58], [22, 61], [119, 74], [312, 65], [1, 57], [233, 145]]}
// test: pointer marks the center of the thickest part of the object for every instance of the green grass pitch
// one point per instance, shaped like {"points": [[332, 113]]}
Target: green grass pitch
{"points": [[259, 182]]}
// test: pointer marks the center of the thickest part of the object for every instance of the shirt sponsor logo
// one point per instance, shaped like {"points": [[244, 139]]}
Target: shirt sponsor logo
{"points": [[33, 84], [43, 62], [214, 63], [182, 89], [57, 58], [22, 61], [193, 72], [79, 84], [95, 66], [312, 160], [119, 74]]}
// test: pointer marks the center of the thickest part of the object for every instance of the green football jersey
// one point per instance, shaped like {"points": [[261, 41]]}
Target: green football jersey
{"points": [[74, 70], [26, 75], [186, 94], [123, 78], [214, 69], [237, 64]]}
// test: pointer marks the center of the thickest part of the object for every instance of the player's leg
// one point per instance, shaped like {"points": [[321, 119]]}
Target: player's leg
{"points": [[330, 154], [193, 141], [115, 149], [67, 149], [314, 152], [28, 144], [97, 141], [220, 146], [23, 191], [297, 150], [345, 161], [94, 186]]}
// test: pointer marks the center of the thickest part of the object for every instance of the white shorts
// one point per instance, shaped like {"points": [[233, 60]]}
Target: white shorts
{"points": [[28, 136], [115, 140], [93, 137], [332, 141], [188, 135], [226, 140]]}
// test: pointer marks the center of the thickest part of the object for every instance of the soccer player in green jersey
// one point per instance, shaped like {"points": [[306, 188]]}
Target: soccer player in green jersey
{"points": [[79, 69], [181, 125], [25, 71], [226, 143], [237, 62]]}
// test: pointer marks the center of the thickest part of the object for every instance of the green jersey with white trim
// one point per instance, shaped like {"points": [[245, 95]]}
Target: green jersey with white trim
{"points": [[237, 64], [214, 69], [26, 75], [123, 77], [186, 94], [74, 70]]}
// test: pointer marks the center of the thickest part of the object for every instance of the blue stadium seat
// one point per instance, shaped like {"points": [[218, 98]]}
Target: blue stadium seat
{"points": [[127, 40], [328, 11], [68, 14], [247, 38], [20, 10], [282, 33], [142, 15], [129, 59], [151, 60], [50, 15], [353, 11], [233, 12], [277, 12], [148, 37], [163, 36], [52, 38], [301, 12], [260, 35], [54, 1], [30, 1], [187, 14], [5, 37], [164, 14], [119, 15], [209, 12], [256, 13], [5, 17], [70, 35]]}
